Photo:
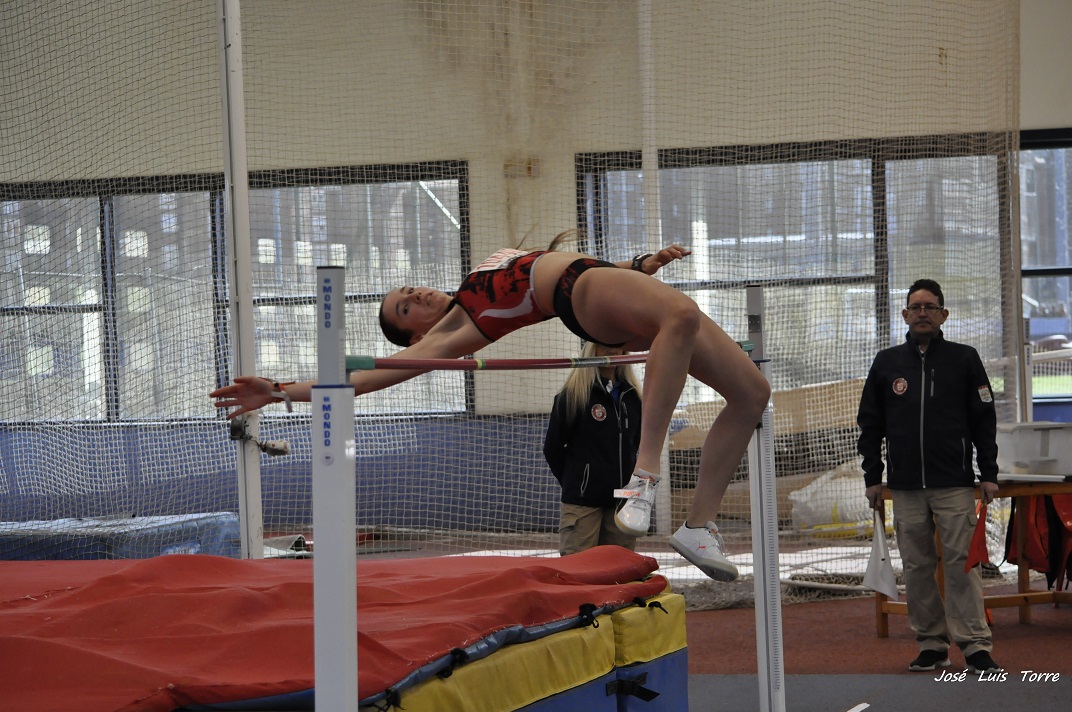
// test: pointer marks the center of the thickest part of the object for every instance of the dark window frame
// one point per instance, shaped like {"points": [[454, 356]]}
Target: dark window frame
{"points": [[1039, 140]]}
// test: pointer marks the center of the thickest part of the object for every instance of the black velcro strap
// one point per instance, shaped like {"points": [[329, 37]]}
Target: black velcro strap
{"points": [[588, 615], [634, 687], [457, 657], [391, 700]]}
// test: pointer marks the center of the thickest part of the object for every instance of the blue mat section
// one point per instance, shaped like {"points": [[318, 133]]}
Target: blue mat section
{"points": [[627, 689], [668, 676], [304, 700], [214, 533], [590, 697]]}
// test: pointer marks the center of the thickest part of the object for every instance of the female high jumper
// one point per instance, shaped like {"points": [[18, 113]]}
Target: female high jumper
{"points": [[612, 304]]}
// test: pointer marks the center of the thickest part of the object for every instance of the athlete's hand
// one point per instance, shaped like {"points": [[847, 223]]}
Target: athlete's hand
{"points": [[664, 257], [987, 491], [248, 393]]}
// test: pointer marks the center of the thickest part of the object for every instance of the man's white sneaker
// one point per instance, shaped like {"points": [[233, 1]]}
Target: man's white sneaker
{"points": [[703, 548], [634, 516]]}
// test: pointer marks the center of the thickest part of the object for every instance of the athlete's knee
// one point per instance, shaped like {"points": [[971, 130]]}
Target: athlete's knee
{"points": [[755, 395], [761, 393], [681, 317], [762, 389]]}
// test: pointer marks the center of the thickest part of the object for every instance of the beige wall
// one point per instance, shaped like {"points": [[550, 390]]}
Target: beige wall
{"points": [[342, 81], [1045, 56]]}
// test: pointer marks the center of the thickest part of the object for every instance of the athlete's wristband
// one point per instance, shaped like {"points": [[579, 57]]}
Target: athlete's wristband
{"points": [[279, 390], [638, 262]]}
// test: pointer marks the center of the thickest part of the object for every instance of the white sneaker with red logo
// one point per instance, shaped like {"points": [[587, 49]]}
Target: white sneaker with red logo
{"points": [[634, 516], [704, 548]]}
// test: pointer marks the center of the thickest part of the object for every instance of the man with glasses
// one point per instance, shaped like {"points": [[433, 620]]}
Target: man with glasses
{"points": [[931, 401]]}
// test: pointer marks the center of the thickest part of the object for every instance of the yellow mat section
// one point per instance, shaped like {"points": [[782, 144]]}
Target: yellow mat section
{"points": [[643, 634], [518, 675]]}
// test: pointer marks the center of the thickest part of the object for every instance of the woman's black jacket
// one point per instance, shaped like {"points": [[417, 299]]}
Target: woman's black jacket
{"points": [[594, 452]]}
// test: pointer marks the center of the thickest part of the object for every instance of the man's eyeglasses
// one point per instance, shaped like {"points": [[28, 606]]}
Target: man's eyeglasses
{"points": [[931, 309]]}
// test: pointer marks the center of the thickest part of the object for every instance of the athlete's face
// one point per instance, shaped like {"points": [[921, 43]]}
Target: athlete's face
{"points": [[924, 314], [415, 309]]}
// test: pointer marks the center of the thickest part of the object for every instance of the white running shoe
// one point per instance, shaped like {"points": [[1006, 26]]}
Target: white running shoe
{"points": [[634, 516], [703, 548]]}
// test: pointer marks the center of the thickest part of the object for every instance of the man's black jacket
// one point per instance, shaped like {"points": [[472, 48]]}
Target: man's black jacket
{"points": [[931, 408]]}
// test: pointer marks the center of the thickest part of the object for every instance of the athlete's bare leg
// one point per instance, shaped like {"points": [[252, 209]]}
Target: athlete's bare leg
{"points": [[719, 362], [616, 305], [664, 378]]}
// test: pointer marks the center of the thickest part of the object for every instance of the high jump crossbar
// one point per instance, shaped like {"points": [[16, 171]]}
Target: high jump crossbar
{"points": [[371, 363]]}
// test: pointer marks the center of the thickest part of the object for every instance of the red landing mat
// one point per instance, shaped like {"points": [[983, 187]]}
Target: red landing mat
{"points": [[158, 634]]}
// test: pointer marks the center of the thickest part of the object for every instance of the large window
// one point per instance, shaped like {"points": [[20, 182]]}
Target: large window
{"points": [[834, 232], [1046, 257], [115, 296], [106, 302], [389, 227]]}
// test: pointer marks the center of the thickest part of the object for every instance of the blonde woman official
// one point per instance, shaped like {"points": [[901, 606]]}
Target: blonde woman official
{"points": [[591, 447]]}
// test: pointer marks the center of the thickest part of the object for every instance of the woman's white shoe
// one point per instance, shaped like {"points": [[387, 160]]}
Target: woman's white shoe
{"points": [[634, 516]]}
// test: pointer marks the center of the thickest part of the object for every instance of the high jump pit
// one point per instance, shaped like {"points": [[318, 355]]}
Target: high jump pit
{"points": [[599, 630]]}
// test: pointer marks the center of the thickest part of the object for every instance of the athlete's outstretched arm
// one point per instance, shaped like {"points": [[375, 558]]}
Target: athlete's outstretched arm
{"points": [[654, 262], [453, 337]]}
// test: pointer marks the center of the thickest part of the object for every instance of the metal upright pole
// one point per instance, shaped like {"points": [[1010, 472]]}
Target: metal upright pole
{"points": [[334, 505], [236, 228], [764, 501]]}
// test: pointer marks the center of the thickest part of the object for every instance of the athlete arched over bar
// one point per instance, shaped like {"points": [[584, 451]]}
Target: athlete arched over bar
{"points": [[612, 304]]}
